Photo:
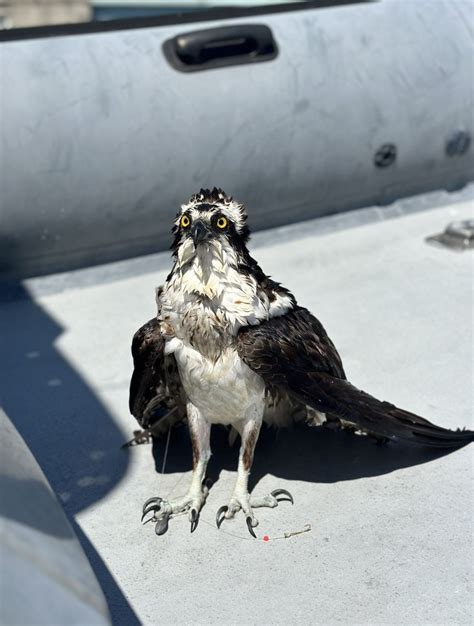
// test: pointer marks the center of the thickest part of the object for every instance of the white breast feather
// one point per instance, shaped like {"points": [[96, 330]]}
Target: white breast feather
{"points": [[205, 302]]}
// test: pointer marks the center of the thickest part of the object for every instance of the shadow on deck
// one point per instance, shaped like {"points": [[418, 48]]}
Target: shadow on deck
{"points": [[71, 434]]}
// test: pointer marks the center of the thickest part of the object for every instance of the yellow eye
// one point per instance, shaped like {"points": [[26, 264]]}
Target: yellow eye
{"points": [[222, 222], [185, 221]]}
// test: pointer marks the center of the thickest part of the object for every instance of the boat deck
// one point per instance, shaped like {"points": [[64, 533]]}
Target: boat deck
{"points": [[391, 526]]}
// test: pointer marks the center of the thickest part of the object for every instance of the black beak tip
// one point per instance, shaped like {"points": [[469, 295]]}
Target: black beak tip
{"points": [[200, 233]]}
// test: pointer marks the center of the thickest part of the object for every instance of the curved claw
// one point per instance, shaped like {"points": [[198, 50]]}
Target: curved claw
{"points": [[156, 500], [278, 492], [194, 519], [153, 508], [222, 510], [162, 525], [250, 527]]}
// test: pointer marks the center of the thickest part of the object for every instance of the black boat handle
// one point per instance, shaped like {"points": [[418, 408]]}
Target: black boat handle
{"points": [[219, 47]]}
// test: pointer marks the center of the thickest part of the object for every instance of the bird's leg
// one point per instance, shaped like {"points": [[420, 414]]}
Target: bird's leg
{"points": [[193, 501], [241, 499]]}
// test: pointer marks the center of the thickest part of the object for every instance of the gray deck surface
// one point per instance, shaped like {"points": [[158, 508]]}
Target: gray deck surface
{"points": [[391, 526]]}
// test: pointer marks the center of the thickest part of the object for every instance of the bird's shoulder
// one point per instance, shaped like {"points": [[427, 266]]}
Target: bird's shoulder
{"points": [[294, 340]]}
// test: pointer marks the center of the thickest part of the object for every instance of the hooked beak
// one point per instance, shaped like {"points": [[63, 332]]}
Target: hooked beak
{"points": [[201, 232]]}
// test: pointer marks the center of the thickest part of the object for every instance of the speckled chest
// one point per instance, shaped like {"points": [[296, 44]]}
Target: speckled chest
{"points": [[205, 308], [196, 320]]}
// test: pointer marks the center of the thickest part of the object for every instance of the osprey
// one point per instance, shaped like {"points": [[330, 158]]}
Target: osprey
{"points": [[231, 346]]}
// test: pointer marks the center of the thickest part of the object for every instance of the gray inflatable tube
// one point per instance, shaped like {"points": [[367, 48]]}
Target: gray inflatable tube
{"points": [[103, 138], [45, 576]]}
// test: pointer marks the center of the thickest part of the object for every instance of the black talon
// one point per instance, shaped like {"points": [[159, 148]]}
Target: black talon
{"points": [[284, 492], [150, 500], [162, 525], [146, 513], [194, 520], [152, 504], [151, 508], [223, 509], [250, 527]]}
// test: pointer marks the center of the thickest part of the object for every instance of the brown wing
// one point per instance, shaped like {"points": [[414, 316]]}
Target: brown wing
{"points": [[294, 353], [290, 346], [155, 387]]}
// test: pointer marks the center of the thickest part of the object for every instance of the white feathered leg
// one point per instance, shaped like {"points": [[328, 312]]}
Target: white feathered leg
{"points": [[199, 430], [241, 499]]}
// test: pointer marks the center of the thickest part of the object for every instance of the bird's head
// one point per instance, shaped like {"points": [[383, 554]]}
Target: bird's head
{"points": [[210, 218]]}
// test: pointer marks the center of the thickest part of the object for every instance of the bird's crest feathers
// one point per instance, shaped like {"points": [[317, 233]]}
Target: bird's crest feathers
{"points": [[217, 199]]}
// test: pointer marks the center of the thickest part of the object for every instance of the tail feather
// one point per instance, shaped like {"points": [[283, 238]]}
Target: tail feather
{"points": [[342, 399]]}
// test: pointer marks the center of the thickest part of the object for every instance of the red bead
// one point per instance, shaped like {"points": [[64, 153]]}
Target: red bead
{"points": [[266, 538]]}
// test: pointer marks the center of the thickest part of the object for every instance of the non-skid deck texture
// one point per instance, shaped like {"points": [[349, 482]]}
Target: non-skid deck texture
{"points": [[391, 526]]}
